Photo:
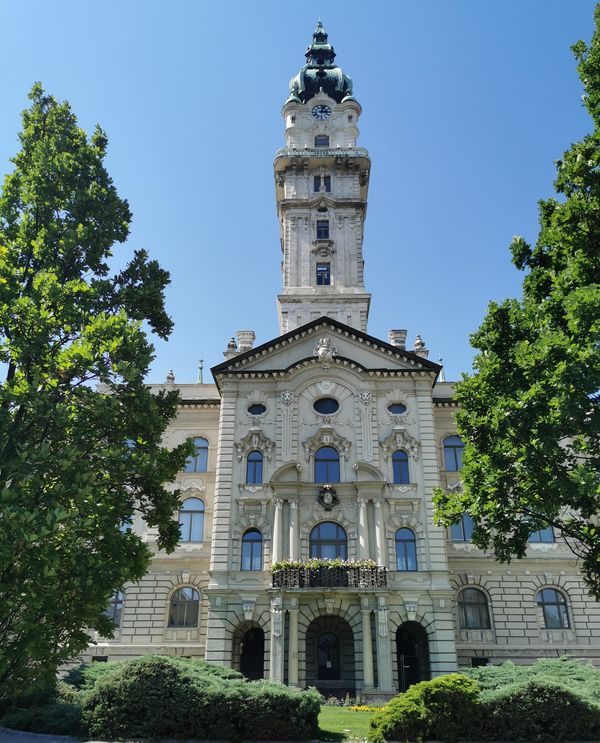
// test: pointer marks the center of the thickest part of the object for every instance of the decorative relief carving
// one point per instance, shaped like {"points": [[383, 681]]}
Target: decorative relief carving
{"points": [[248, 609], [326, 436], [366, 397], [325, 350], [329, 601], [328, 498], [254, 440], [323, 248], [382, 617], [411, 610], [276, 617], [287, 398], [400, 439]]}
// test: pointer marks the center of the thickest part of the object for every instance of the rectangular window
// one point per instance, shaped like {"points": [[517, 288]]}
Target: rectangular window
{"points": [[479, 662], [542, 535], [322, 229], [323, 274], [322, 140], [326, 183], [462, 530]]}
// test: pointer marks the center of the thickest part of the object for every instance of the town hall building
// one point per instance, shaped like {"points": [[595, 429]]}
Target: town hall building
{"points": [[309, 554]]}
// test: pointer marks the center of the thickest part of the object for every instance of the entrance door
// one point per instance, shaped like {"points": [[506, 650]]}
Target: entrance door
{"points": [[413, 654], [252, 658]]}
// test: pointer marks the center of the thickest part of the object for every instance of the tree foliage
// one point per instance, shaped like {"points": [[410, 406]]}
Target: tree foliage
{"points": [[80, 433], [530, 413]]}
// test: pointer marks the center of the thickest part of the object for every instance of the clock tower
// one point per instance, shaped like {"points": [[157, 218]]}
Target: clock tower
{"points": [[321, 182]]}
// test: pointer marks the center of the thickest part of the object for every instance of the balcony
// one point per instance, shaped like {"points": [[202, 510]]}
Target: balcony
{"points": [[344, 576]]}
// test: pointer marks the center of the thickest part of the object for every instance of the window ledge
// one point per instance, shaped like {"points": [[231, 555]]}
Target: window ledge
{"points": [[255, 492], [542, 546]]}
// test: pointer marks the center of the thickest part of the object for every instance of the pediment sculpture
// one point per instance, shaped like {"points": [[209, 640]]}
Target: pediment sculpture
{"points": [[400, 439], [326, 436], [254, 440]]}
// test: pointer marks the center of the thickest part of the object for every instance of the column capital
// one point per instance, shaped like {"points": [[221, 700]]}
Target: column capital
{"points": [[292, 502]]}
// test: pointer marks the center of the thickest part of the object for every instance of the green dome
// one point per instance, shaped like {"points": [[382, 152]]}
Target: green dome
{"points": [[320, 71]]}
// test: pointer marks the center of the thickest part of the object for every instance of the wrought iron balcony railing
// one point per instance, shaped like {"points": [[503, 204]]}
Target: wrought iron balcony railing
{"points": [[330, 577]]}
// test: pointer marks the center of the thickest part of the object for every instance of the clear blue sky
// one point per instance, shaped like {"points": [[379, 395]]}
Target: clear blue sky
{"points": [[466, 105]]}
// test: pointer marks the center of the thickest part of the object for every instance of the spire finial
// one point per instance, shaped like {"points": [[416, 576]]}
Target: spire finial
{"points": [[200, 368]]}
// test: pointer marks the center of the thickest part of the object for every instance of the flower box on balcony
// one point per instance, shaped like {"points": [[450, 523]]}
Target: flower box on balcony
{"points": [[334, 575]]}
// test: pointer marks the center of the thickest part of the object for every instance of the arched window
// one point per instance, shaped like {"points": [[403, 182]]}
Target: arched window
{"points": [[254, 468], [191, 520], [328, 540], [199, 462], [453, 451], [115, 608], [406, 550], [463, 529], [328, 657], [400, 466], [184, 608], [554, 608], [327, 465], [252, 550], [473, 609]]}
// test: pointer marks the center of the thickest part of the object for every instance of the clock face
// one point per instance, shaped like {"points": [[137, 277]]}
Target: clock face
{"points": [[321, 112]]}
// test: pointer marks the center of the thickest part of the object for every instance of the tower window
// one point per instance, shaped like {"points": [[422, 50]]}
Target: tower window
{"points": [[326, 181], [322, 140], [322, 229], [323, 274]]}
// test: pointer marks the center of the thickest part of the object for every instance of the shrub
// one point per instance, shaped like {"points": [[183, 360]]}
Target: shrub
{"points": [[85, 676], [57, 719], [444, 708], [538, 710], [160, 697], [575, 675]]}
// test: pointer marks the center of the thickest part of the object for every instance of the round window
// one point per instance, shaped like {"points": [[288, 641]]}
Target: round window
{"points": [[257, 409], [326, 405], [396, 408]]}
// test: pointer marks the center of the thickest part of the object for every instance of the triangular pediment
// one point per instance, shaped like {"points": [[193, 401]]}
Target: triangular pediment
{"points": [[329, 344]]}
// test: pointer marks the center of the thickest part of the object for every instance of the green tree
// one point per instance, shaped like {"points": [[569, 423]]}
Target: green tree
{"points": [[80, 433], [530, 412]]}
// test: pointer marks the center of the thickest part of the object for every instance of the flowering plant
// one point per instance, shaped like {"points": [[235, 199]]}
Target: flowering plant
{"points": [[320, 562]]}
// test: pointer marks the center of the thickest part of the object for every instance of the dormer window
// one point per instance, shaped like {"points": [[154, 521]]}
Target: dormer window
{"points": [[322, 229], [322, 140], [322, 182]]}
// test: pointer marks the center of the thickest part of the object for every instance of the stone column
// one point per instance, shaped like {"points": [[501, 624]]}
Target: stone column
{"points": [[293, 529], [363, 529], [293, 648], [276, 659], [277, 531], [384, 655], [368, 678], [380, 551]]}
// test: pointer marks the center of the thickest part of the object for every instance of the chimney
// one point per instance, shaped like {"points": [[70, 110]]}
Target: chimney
{"points": [[397, 338], [245, 340]]}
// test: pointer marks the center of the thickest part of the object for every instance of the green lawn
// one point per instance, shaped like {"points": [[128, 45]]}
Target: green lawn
{"points": [[341, 723]]}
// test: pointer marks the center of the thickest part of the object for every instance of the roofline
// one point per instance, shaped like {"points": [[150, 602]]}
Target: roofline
{"points": [[324, 320]]}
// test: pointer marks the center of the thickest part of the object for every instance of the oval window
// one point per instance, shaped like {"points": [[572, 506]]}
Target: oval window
{"points": [[397, 408], [257, 409], [326, 405]]}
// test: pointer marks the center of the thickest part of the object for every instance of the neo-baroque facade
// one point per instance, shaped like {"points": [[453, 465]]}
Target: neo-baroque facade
{"points": [[326, 444]]}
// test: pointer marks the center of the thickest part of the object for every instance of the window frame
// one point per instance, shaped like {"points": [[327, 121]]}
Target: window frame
{"points": [[254, 467], [323, 273], [322, 229], [474, 614], [564, 620], [255, 556], [537, 536], [199, 512], [199, 461], [451, 455], [465, 530], [339, 542], [114, 610], [321, 141], [190, 605], [324, 180], [331, 466], [406, 545], [400, 473]]}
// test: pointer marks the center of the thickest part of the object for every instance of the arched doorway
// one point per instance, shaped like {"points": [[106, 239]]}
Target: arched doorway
{"points": [[412, 650], [330, 656], [249, 651]]}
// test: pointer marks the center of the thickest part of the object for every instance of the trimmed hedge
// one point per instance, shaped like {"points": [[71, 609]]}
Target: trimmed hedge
{"points": [[57, 719], [537, 711], [444, 708], [161, 697]]}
